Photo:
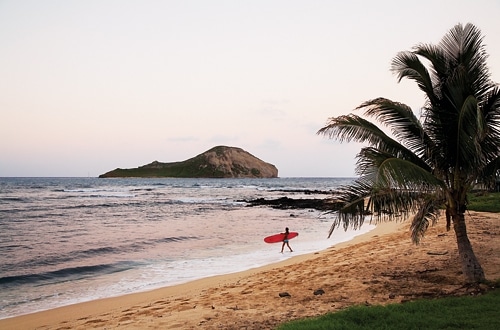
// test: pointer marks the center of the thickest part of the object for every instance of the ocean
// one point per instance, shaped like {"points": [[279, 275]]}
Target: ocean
{"points": [[69, 240]]}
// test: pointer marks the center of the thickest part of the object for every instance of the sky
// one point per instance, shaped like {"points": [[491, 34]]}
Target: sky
{"points": [[93, 85]]}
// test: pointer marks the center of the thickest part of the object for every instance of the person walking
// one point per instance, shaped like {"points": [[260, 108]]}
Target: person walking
{"points": [[285, 241]]}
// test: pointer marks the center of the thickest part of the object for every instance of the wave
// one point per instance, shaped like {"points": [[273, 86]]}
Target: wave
{"points": [[84, 190], [174, 239], [101, 193], [152, 242], [66, 274], [13, 199], [82, 255], [107, 195]]}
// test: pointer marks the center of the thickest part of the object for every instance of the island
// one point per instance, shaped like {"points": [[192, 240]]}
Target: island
{"points": [[217, 162]]}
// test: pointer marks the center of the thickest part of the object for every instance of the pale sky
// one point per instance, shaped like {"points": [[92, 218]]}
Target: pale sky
{"points": [[88, 86]]}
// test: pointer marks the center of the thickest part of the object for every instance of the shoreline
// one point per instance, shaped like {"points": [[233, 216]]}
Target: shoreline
{"points": [[158, 275], [378, 267], [103, 305]]}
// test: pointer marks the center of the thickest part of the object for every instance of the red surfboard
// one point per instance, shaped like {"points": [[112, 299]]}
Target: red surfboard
{"points": [[279, 237]]}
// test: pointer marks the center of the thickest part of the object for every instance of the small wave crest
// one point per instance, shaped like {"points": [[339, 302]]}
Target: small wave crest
{"points": [[100, 192], [79, 256], [66, 274]]}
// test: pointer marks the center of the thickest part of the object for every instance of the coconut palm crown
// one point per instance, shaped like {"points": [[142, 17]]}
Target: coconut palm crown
{"points": [[428, 163]]}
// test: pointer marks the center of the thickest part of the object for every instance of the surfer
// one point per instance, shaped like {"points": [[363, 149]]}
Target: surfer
{"points": [[285, 241]]}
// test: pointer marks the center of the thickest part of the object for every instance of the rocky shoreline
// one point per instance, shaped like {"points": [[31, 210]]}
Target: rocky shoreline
{"points": [[283, 203]]}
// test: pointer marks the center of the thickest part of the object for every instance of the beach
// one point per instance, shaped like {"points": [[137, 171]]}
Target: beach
{"points": [[380, 267], [70, 240]]}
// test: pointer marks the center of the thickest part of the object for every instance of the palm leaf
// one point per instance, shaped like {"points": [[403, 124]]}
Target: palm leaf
{"points": [[408, 65], [352, 128], [405, 175], [427, 214], [470, 130], [403, 123]]}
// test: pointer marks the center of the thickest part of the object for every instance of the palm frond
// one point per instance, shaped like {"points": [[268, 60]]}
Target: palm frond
{"points": [[371, 161], [490, 173], [408, 65], [403, 123], [352, 213], [352, 128], [465, 51], [427, 214], [392, 204], [405, 175], [470, 132], [390, 191], [439, 65], [490, 108]]}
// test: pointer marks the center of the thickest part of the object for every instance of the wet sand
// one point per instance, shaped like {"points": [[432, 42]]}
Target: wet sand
{"points": [[380, 267]]}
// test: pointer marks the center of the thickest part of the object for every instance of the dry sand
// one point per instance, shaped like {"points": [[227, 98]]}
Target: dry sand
{"points": [[380, 267]]}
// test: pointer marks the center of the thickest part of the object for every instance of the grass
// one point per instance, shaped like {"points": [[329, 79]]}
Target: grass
{"points": [[468, 312], [484, 202], [478, 312]]}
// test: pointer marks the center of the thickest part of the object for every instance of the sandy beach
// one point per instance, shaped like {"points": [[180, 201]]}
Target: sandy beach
{"points": [[380, 267]]}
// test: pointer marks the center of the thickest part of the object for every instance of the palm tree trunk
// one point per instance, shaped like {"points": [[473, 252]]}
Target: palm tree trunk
{"points": [[471, 268]]}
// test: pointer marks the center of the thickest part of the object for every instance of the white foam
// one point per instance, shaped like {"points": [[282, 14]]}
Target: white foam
{"points": [[181, 271]]}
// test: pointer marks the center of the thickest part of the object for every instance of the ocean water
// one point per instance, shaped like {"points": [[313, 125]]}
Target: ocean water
{"points": [[69, 240]]}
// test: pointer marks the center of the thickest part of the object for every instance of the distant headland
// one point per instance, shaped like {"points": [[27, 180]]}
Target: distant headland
{"points": [[218, 162]]}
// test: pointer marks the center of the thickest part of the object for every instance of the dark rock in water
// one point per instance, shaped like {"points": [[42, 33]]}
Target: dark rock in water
{"points": [[284, 294], [291, 203], [218, 162], [319, 292]]}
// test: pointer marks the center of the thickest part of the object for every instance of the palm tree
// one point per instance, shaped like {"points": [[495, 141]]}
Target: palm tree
{"points": [[429, 163]]}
